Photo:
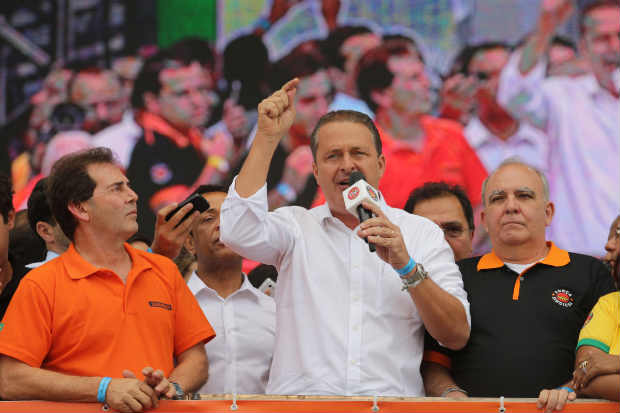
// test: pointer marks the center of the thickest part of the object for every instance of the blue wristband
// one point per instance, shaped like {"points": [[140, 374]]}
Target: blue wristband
{"points": [[103, 388], [568, 389], [407, 268]]}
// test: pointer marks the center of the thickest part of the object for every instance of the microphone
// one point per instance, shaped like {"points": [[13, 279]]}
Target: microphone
{"points": [[360, 191]]}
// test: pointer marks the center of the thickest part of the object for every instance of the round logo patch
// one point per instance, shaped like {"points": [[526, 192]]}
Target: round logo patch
{"points": [[353, 193], [161, 173], [563, 298], [372, 193]]}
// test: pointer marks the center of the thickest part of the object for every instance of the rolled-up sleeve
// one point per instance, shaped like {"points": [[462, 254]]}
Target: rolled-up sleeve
{"points": [[524, 95], [249, 229]]}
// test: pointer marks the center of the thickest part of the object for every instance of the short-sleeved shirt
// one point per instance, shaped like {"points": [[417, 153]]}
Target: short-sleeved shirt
{"points": [[602, 327], [446, 156], [524, 327], [164, 164], [71, 317]]}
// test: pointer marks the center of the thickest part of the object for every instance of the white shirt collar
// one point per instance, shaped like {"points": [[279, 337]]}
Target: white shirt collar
{"points": [[197, 286]]}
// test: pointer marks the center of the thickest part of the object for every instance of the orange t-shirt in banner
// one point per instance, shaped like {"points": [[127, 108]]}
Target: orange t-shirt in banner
{"points": [[71, 317]]}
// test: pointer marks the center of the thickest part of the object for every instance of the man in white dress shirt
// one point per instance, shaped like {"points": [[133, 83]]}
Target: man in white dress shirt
{"points": [[580, 116], [44, 225], [346, 323], [244, 319]]}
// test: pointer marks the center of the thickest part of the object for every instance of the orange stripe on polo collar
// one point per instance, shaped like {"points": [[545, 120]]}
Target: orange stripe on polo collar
{"points": [[556, 257]]}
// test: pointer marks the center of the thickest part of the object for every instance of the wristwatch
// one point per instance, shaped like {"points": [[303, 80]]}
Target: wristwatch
{"points": [[179, 394], [416, 278]]}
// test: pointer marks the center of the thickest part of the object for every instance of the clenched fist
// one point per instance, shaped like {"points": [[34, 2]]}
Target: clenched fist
{"points": [[277, 112]]}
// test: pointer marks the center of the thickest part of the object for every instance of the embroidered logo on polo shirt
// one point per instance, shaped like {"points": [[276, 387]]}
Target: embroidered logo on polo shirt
{"points": [[590, 316], [159, 304], [353, 193], [161, 173], [563, 298]]}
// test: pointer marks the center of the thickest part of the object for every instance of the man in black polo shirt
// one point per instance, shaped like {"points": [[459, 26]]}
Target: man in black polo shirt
{"points": [[529, 299], [173, 98], [11, 272]]}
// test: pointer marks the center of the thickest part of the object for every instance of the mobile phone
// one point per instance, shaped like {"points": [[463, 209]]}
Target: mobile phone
{"points": [[200, 204], [267, 285]]}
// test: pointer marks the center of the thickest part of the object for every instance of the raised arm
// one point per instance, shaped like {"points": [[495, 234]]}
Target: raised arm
{"points": [[552, 14], [275, 117]]}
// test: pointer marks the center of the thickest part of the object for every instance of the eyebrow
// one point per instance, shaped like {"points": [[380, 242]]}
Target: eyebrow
{"points": [[113, 184]]}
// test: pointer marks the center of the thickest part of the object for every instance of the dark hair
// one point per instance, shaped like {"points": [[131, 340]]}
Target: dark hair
{"points": [[469, 52], [433, 190], [240, 51], [372, 70], [558, 40], [303, 61], [24, 243], [39, 207], [193, 49], [260, 273], [332, 45], [345, 116], [588, 8], [6, 196], [207, 189], [69, 183]]}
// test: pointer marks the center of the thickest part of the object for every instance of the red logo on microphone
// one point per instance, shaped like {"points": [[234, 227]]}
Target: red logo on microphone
{"points": [[353, 193]]}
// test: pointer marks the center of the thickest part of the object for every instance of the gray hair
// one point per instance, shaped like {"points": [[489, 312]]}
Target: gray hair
{"points": [[515, 160]]}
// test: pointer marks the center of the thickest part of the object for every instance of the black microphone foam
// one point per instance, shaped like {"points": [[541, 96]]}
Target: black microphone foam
{"points": [[356, 176]]}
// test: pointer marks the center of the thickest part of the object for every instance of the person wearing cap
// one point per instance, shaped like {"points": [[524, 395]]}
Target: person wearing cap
{"points": [[350, 321]]}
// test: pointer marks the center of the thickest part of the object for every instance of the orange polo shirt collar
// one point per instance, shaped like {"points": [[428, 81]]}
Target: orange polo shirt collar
{"points": [[556, 257], [78, 267]]}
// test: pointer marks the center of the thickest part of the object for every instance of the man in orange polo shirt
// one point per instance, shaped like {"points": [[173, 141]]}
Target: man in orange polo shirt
{"points": [[529, 300], [103, 321], [418, 148]]}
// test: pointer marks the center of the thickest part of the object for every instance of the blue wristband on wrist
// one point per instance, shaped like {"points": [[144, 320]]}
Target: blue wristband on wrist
{"points": [[407, 268], [568, 389], [103, 388]]}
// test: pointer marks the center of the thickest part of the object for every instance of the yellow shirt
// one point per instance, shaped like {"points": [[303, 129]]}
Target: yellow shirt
{"points": [[602, 327]]}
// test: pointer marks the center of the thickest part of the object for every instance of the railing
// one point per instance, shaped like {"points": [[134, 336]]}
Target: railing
{"points": [[317, 404]]}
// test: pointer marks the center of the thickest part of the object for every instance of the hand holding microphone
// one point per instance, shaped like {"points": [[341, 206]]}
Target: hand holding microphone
{"points": [[362, 200]]}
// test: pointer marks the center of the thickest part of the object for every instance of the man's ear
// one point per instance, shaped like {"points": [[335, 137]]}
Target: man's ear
{"points": [[549, 212], [315, 171], [381, 98], [79, 211], [45, 231], [189, 244], [151, 102]]}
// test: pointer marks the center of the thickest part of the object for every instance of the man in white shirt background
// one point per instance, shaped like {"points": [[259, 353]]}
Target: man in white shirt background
{"points": [[44, 225], [346, 324], [580, 116], [243, 317]]}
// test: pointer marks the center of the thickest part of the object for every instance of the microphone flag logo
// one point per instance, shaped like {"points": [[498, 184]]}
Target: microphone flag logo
{"points": [[372, 193]]}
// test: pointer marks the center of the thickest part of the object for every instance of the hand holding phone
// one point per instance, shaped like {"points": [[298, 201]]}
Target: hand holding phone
{"points": [[199, 204]]}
